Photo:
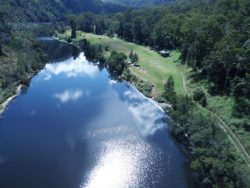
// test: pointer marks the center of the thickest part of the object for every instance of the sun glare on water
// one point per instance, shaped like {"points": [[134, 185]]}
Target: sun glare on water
{"points": [[120, 165]]}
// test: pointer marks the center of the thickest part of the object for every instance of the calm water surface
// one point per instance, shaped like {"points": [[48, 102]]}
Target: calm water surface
{"points": [[74, 127]]}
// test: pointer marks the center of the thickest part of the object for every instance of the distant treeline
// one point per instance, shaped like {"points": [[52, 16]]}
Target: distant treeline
{"points": [[51, 10]]}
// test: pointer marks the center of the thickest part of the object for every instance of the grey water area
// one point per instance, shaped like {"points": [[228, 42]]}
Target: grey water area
{"points": [[74, 127]]}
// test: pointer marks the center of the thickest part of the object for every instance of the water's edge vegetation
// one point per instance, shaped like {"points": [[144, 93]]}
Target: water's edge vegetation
{"points": [[184, 115], [213, 158], [208, 41]]}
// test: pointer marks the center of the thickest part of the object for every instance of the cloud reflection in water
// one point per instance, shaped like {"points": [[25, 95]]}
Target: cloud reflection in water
{"points": [[148, 116], [126, 159], [70, 95], [71, 68]]}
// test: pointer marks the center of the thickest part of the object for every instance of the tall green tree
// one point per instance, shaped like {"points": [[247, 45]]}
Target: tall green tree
{"points": [[73, 28], [116, 63]]}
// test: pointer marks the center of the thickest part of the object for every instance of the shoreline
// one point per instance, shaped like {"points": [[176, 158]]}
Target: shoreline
{"points": [[153, 101], [5, 104], [64, 41], [132, 84]]}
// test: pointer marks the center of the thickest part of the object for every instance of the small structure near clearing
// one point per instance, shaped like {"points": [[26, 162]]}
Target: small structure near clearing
{"points": [[164, 53]]}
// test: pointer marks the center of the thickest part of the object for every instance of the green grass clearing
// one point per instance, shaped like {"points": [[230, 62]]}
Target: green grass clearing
{"points": [[154, 68]]}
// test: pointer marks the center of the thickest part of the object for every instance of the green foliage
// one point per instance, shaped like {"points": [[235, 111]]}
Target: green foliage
{"points": [[169, 86], [200, 96], [133, 57], [71, 19], [170, 93], [212, 157], [137, 3], [116, 63], [242, 97], [144, 87], [92, 52], [1, 50], [23, 11], [180, 112], [96, 6], [23, 58], [213, 37], [42, 11], [73, 29]]}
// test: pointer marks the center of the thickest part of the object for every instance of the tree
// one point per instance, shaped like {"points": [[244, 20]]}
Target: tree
{"points": [[116, 63], [73, 29], [169, 86], [170, 93], [136, 58], [72, 20], [133, 57], [200, 96], [1, 50], [93, 52], [140, 29]]}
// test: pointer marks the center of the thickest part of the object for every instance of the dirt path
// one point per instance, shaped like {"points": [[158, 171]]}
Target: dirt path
{"points": [[233, 138]]}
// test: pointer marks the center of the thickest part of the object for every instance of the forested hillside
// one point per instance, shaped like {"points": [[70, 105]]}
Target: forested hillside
{"points": [[53, 10], [78, 6], [31, 11], [137, 3], [20, 21]]}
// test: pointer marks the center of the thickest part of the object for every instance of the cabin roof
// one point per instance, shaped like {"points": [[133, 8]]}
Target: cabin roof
{"points": [[164, 52]]}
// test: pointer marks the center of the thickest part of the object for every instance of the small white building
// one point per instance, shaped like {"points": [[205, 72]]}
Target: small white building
{"points": [[164, 53]]}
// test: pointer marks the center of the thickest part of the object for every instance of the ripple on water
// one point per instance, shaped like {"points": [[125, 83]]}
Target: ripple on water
{"points": [[129, 162]]}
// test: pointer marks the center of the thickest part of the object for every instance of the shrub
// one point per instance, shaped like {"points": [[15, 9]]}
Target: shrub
{"points": [[200, 96]]}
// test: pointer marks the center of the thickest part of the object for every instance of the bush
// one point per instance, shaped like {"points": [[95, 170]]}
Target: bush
{"points": [[200, 96], [69, 40], [133, 57], [93, 52], [116, 63]]}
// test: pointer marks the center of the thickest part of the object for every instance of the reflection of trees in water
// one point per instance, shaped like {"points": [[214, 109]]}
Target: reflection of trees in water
{"points": [[25, 88], [75, 52], [59, 51], [101, 65]]}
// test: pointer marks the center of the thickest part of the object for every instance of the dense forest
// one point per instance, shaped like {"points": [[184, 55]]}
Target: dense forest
{"points": [[16, 47], [213, 37], [137, 3], [23, 20], [214, 40], [50, 11]]}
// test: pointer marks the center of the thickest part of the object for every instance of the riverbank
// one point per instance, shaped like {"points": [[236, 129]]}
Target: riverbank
{"points": [[23, 58], [156, 69], [5, 104], [153, 68]]}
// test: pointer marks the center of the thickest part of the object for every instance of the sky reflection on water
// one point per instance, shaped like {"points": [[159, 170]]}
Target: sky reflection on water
{"points": [[74, 127]]}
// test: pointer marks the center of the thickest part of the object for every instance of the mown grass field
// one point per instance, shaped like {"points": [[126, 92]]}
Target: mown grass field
{"points": [[154, 68]]}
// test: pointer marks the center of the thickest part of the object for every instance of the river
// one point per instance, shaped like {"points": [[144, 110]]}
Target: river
{"points": [[74, 127]]}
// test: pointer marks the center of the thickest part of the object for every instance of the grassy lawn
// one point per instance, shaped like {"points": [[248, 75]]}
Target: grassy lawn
{"points": [[154, 68]]}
